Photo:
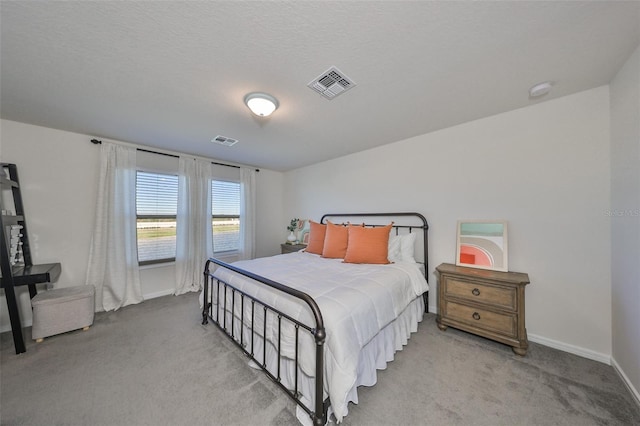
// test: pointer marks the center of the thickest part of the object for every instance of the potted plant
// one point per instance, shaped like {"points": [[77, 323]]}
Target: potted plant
{"points": [[293, 226]]}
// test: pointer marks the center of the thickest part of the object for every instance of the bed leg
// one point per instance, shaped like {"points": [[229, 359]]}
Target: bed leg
{"points": [[320, 415], [205, 288], [205, 317]]}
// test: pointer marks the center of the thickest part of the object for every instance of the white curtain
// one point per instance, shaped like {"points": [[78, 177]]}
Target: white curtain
{"points": [[113, 258], [247, 213], [194, 234]]}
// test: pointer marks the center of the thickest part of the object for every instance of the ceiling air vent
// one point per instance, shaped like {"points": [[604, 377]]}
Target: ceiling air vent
{"points": [[223, 140], [331, 83]]}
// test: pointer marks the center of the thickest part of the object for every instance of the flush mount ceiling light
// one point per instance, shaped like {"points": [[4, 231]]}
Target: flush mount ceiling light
{"points": [[261, 104], [540, 89]]}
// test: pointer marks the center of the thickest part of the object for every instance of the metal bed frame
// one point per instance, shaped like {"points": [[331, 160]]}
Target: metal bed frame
{"points": [[318, 413]]}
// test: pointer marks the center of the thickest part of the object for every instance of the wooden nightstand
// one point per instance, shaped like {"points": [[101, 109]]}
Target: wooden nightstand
{"points": [[483, 302], [290, 248]]}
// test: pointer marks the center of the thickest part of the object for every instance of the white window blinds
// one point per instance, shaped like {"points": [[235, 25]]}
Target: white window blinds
{"points": [[225, 215], [156, 207]]}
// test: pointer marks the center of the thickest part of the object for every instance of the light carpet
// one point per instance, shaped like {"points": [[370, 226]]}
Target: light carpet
{"points": [[155, 364]]}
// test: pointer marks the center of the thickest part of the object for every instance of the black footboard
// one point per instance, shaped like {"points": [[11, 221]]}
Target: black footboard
{"points": [[222, 292]]}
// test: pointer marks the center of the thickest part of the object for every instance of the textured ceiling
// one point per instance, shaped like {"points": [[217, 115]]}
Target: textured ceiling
{"points": [[173, 74]]}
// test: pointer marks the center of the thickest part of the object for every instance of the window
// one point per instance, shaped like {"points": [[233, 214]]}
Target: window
{"points": [[156, 210], [225, 215]]}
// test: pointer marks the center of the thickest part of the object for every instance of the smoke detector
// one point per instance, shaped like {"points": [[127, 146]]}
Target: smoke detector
{"points": [[223, 140], [331, 83], [540, 89]]}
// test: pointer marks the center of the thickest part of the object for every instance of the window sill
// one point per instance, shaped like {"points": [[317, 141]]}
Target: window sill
{"points": [[227, 256], [156, 265]]}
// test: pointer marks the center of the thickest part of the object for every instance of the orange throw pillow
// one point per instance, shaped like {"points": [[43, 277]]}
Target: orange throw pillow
{"points": [[316, 237], [368, 245], [335, 241]]}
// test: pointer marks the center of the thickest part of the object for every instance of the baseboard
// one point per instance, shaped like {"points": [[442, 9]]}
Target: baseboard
{"points": [[565, 347], [576, 350], [158, 294], [634, 392], [7, 327]]}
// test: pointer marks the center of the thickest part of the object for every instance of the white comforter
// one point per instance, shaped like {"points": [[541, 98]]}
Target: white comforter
{"points": [[356, 302]]}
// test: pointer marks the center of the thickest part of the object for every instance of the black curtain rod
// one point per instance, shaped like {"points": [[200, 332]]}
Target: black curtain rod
{"points": [[98, 142]]}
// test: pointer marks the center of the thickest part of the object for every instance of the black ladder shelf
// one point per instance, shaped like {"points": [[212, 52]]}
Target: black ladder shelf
{"points": [[17, 267]]}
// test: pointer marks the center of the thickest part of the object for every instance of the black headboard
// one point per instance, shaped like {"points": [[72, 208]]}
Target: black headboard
{"points": [[408, 221]]}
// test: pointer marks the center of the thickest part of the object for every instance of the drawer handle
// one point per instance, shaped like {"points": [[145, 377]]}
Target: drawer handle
{"points": [[476, 316], [475, 292]]}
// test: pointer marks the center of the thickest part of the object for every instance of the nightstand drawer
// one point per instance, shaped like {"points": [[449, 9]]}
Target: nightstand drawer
{"points": [[501, 297], [505, 324]]}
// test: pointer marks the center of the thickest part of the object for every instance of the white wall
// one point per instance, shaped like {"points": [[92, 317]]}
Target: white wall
{"points": [[271, 223], [544, 168], [625, 220], [58, 177], [58, 174]]}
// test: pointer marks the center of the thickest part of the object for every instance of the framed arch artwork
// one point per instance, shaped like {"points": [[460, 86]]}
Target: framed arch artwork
{"points": [[482, 244]]}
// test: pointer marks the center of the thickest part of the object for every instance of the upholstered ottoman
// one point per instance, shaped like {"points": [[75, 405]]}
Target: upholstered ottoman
{"points": [[62, 309]]}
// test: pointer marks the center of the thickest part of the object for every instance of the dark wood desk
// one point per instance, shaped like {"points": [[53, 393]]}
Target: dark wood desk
{"points": [[36, 274]]}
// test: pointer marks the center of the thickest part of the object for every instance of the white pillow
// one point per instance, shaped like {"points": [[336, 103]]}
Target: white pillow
{"points": [[401, 248], [394, 249], [407, 244]]}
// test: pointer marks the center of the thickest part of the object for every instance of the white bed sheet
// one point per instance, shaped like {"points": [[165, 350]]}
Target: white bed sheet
{"points": [[356, 301]]}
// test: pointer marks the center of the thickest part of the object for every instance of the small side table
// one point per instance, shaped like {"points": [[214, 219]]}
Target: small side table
{"points": [[483, 302], [290, 248]]}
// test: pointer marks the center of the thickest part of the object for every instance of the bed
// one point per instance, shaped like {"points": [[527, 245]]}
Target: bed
{"points": [[320, 327]]}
